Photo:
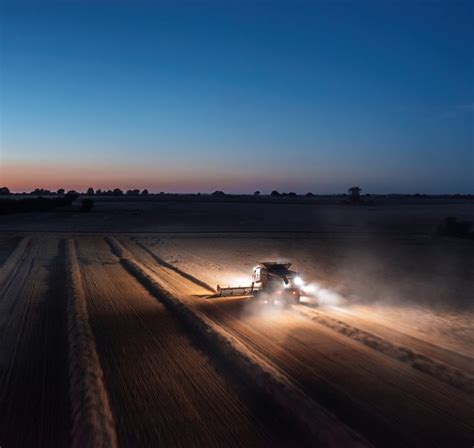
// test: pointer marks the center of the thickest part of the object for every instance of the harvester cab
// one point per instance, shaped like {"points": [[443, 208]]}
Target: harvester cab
{"points": [[272, 282]]}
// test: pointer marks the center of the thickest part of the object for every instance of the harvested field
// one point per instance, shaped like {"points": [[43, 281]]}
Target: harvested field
{"points": [[112, 339], [385, 399]]}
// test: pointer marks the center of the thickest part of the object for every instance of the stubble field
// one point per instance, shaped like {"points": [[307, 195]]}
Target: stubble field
{"points": [[111, 335]]}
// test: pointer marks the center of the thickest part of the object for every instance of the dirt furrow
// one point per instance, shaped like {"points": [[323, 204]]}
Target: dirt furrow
{"points": [[163, 389]]}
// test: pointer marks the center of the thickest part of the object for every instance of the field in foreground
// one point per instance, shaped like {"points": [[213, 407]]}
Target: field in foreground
{"points": [[113, 338], [166, 386]]}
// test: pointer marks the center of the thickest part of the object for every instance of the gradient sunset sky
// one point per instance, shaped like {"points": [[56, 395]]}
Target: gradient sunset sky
{"points": [[191, 96]]}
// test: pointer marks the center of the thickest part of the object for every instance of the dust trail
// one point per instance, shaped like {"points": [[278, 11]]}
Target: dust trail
{"points": [[437, 369], [322, 295], [92, 420], [326, 429]]}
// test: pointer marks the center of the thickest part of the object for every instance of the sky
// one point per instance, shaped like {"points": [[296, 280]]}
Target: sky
{"points": [[194, 96]]}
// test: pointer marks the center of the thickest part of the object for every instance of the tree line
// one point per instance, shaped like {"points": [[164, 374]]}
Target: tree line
{"points": [[89, 192], [354, 191]]}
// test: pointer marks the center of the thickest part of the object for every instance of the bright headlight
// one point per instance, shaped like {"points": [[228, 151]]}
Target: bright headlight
{"points": [[298, 281]]}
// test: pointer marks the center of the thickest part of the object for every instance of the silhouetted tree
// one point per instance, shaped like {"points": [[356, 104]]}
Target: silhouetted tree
{"points": [[98, 192], [4, 190], [41, 192], [257, 193], [145, 192], [309, 194], [218, 193], [117, 192], [275, 193], [70, 197], [90, 191], [292, 194], [86, 205], [135, 192], [354, 194], [60, 191]]}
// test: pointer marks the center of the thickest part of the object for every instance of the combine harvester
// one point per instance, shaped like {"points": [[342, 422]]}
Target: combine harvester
{"points": [[272, 282]]}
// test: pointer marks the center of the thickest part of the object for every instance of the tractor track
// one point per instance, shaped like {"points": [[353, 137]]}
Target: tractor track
{"points": [[163, 388], [385, 399]]}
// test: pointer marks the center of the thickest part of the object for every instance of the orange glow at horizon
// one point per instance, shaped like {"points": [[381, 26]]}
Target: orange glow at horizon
{"points": [[25, 177]]}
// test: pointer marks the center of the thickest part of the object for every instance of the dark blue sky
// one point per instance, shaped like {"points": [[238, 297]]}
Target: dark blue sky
{"points": [[195, 96]]}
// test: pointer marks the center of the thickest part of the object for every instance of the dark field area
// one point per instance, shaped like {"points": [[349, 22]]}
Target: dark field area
{"points": [[387, 217]]}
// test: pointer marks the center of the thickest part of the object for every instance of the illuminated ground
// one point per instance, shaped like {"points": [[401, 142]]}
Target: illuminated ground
{"points": [[370, 391]]}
